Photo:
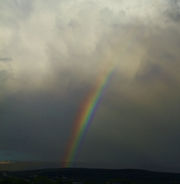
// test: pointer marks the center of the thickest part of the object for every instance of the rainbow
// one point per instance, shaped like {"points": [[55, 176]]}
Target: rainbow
{"points": [[89, 106], [85, 116]]}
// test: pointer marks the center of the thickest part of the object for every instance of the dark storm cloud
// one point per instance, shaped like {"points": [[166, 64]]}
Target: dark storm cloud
{"points": [[60, 49], [37, 125]]}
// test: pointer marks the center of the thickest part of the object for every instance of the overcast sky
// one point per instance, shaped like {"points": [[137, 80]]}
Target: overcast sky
{"points": [[52, 52]]}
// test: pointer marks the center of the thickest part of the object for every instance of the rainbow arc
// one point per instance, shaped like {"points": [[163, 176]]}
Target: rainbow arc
{"points": [[85, 117], [87, 113]]}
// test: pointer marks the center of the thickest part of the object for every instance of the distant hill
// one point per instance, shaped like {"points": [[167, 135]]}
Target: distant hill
{"points": [[21, 166], [34, 165]]}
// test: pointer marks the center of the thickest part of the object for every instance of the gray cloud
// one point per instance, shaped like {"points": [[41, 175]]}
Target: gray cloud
{"points": [[17, 10], [5, 59], [173, 11]]}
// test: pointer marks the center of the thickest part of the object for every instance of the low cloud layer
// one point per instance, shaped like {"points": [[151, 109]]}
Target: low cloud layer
{"points": [[51, 54]]}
